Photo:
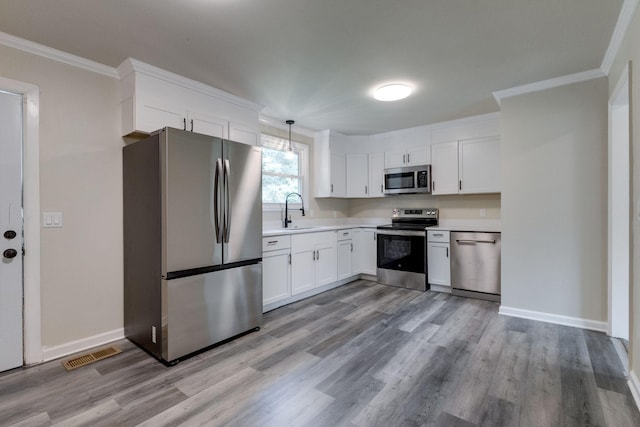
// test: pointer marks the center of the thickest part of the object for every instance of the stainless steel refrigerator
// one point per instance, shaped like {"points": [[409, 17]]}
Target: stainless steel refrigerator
{"points": [[192, 242]]}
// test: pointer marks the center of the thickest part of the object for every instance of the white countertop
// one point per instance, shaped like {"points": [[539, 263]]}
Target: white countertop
{"points": [[312, 229], [489, 226]]}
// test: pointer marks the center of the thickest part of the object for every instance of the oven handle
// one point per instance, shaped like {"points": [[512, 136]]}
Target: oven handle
{"points": [[401, 232]]}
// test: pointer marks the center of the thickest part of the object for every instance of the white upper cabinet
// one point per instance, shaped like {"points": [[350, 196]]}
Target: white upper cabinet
{"points": [[338, 183], [207, 124], [330, 173], [152, 98], [244, 133], [444, 168], [466, 167], [479, 165], [407, 157], [376, 172], [357, 175]]}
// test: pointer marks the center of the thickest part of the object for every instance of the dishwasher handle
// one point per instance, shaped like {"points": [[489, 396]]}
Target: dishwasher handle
{"points": [[493, 242]]}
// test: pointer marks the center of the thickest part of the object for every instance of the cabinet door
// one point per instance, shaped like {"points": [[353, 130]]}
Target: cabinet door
{"points": [[444, 168], [153, 116], [302, 265], [275, 276], [369, 252], [395, 159], [207, 124], [244, 134], [479, 165], [326, 266], [438, 264], [345, 262], [419, 156], [357, 175], [338, 175], [376, 175]]}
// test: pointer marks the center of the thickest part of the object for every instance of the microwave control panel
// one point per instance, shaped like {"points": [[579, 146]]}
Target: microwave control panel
{"points": [[423, 179]]}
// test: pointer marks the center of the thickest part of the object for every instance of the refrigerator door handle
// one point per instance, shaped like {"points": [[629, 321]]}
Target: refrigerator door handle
{"points": [[227, 208], [216, 196]]}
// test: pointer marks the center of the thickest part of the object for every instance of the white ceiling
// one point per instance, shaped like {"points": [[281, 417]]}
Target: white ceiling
{"points": [[315, 61]]}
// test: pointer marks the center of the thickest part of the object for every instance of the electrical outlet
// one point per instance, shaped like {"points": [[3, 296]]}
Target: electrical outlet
{"points": [[483, 212]]}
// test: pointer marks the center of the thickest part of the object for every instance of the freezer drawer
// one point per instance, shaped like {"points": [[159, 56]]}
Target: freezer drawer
{"points": [[475, 264], [199, 311]]}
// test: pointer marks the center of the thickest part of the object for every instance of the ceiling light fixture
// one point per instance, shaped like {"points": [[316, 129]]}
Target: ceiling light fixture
{"points": [[290, 122], [392, 92]]}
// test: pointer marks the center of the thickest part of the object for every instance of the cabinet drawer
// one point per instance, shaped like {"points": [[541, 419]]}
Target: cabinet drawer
{"points": [[438, 236], [275, 243], [345, 235]]}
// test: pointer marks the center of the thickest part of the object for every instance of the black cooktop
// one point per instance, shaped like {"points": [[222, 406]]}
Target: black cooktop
{"points": [[408, 225]]}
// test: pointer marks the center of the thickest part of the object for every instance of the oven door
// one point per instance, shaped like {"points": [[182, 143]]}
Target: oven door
{"points": [[402, 250]]}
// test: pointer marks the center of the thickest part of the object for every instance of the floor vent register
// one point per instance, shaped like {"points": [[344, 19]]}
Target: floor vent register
{"points": [[87, 358]]}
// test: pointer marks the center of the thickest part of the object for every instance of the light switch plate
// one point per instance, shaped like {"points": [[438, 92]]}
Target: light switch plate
{"points": [[52, 219]]}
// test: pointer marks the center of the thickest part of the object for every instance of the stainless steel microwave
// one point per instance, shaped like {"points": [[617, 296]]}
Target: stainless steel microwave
{"points": [[407, 180]]}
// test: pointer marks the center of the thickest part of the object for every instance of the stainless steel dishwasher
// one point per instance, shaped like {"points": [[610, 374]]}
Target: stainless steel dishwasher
{"points": [[475, 265]]}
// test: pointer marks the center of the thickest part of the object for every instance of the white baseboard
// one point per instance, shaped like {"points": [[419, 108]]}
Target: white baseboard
{"points": [[634, 386], [55, 352], [575, 322]]}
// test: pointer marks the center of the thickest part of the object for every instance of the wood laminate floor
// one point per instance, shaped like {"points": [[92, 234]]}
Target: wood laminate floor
{"points": [[360, 355]]}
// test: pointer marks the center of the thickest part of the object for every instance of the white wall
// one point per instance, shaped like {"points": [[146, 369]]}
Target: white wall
{"points": [[554, 212], [80, 176]]}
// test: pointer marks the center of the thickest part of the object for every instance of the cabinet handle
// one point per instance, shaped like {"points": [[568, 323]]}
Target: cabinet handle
{"points": [[184, 123], [191, 125], [352, 247], [438, 234], [460, 185], [445, 248], [272, 242], [433, 186], [317, 255], [289, 259], [381, 188], [374, 236], [346, 233], [313, 255], [366, 190], [409, 158], [404, 156], [332, 188]]}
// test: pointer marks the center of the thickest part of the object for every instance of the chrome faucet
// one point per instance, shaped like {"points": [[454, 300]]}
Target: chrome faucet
{"points": [[287, 221]]}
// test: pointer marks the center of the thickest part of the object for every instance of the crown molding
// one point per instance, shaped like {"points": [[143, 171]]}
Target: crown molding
{"points": [[131, 65], [622, 25], [548, 84], [280, 124], [56, 55]]}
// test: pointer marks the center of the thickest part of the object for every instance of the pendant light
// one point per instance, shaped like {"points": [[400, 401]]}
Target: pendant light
{"points": [[290, 122]]}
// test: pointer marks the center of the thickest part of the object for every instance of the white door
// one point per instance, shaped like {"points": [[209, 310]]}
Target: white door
{"points": [[10, 231], [344, 259], [376, 174], [444, 168]]}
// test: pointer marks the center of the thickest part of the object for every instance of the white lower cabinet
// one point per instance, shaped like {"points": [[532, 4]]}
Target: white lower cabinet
{"points": [[276, 269], [438, 260], [366, 250], [347, 258], [313, 260]]}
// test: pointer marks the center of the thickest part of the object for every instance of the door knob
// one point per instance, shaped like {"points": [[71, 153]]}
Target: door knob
{"points": [[9, 234], [10, 253]]}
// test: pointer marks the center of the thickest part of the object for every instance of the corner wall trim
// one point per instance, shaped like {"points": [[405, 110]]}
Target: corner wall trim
{"points": [[622, 25], [576, 322], [55, 352], [634, 386], [56, 55], [499, 95]]}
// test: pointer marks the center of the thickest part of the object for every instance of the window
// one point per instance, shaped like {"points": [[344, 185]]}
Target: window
{"points": [[283, 171]]}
